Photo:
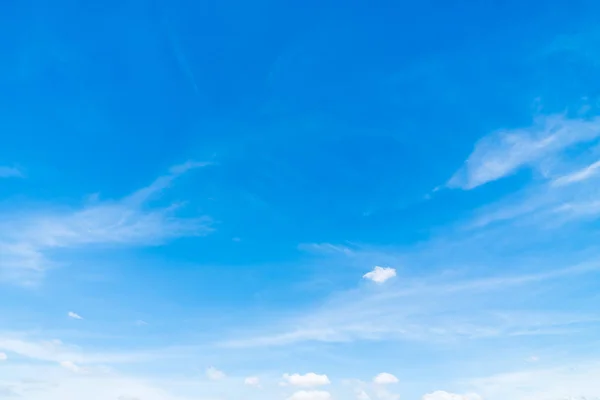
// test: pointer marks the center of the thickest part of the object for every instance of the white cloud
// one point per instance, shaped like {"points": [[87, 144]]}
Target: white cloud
{"points": [[385, 378], [73, 315], [3, 357], [309, 380], [384, 394], [380, 274], [252, 381], [71, 366], [214, 374], [570, 380], [578, 176], [56, 351], [27, 237], [362, 395], [504, 152], [441, 395], [310, 395], [10, 172]]}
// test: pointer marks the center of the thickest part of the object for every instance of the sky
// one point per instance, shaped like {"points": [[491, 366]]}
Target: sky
{"points": [[299, 200]]}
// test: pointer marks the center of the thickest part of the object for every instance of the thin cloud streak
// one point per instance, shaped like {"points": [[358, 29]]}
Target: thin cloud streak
{"points": [[10, 172], [26, 239]]}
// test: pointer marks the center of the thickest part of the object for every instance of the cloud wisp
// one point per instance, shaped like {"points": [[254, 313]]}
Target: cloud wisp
{"points": [[27, 238], [11, 172], [505, 152]]}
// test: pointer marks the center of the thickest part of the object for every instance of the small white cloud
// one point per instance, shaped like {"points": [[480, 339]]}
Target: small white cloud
{"points": [[214, 374], [3, 357], [71, 366], [310, 395], [385, 379], [362, 395], [380, 274], [533, 359], [441, 395], [73, 315], [140, 322], [309, 380], [252, 381]]}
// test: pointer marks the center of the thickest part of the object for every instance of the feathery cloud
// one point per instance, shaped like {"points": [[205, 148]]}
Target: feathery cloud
{"points": [[26, 238], [504, 152]]}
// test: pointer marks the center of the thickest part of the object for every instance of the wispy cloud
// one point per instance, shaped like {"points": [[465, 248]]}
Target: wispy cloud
{"points": [[27, 238], [214, 374], [428, 309], [504, 152], [10, 172]]}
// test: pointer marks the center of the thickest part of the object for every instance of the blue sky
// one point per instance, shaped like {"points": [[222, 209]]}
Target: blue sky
{"points": [[299, 200]]}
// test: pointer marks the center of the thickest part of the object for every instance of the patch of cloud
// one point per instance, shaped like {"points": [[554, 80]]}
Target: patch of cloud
{"points": [[504, 152], [310, 395], [214, 374], [56, 351], [385, 378], [573, 380], [10, 172], [384, 394], [26, 238], [436, 308], [308, 380], [71, 366], [252, 381], [380, 274], [442, 395], [578, 176], [73, 315], [3, 357]]}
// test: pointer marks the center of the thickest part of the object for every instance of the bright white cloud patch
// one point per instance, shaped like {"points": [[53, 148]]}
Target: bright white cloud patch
{"points": [[380, 274], [252, 381], [441, 395], [214, 374], [310, 395], [362, 395], [3, 357], [385, 378], [309, 380], [73, 315]]}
